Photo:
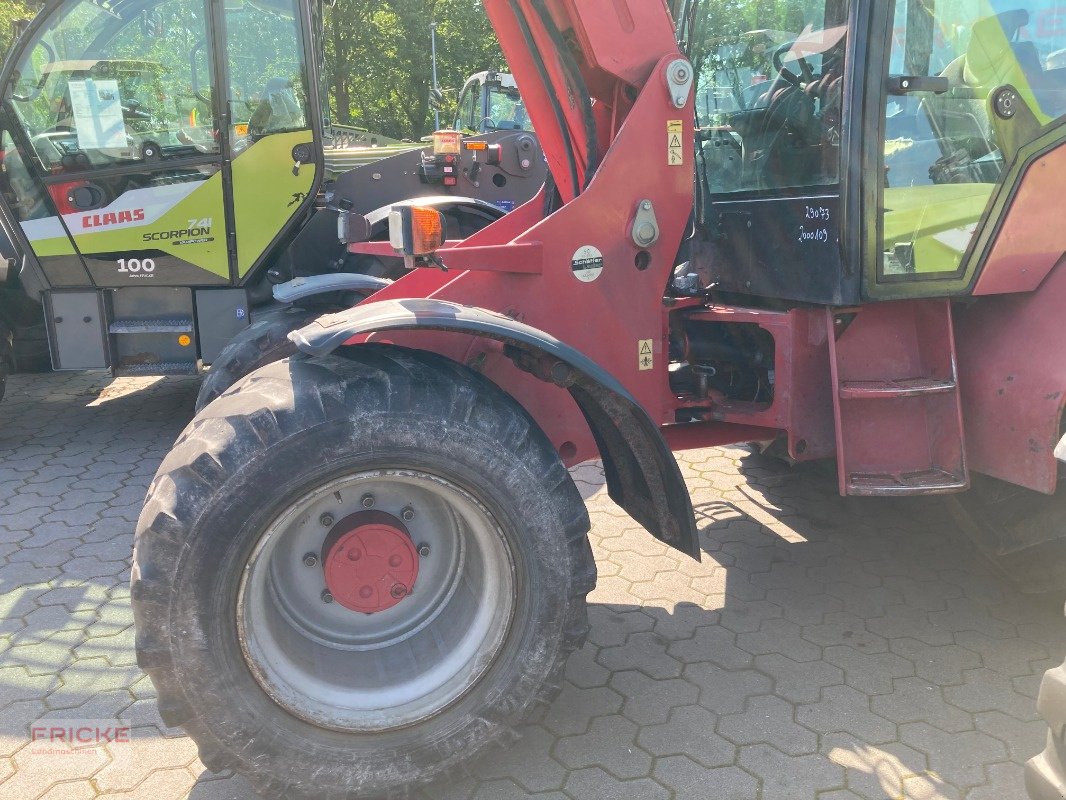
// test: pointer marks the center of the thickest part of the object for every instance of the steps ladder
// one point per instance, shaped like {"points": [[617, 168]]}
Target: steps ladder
{"points": [[896, 401]]}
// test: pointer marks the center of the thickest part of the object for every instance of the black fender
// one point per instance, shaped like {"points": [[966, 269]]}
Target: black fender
{"points": [[642, 474]]}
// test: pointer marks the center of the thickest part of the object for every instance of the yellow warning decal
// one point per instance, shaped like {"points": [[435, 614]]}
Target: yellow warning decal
{"points": [[645, 355], [675, 152]]}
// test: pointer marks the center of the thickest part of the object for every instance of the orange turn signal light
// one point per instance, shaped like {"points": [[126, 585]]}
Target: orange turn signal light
{"points": [[476, 145], [416, 230]]}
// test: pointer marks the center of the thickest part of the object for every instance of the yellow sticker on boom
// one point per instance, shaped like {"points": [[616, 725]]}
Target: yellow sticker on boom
{"points": [[675, 151], [645, 355]]}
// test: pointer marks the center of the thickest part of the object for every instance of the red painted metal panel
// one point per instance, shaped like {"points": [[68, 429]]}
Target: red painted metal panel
{"points": [[1032, 238], [1012, 366], [606, 318], [803, 403], [897, 440], [523, 258], [697, 435]]}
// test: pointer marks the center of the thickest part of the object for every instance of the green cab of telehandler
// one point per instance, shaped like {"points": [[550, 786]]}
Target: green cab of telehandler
{"points": [[167, 164]]}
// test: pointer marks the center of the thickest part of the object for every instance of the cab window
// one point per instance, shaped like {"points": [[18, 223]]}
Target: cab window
{"points": [[101, 87], [268, 92], [469, 116], [506, 110], [769, 97], [945, 147]]}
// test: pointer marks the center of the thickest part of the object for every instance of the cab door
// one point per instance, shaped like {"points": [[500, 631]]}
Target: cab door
{"points": [[274, 121], [112, 161], [945, 156]]}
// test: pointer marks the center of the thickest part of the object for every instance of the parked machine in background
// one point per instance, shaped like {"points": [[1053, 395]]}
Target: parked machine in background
{"points": [[164, 170], [490, 101]]}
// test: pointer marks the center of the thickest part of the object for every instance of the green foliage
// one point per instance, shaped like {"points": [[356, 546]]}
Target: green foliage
{"points": [[378, 60], [11, 10]]}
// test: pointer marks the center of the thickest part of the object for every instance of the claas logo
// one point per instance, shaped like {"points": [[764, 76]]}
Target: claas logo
{"points": [[112, 218]]}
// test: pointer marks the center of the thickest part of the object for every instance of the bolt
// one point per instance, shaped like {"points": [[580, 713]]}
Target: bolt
{"points": [[310, 559], [423, 550], [646, 205], [354, 555], [368, 500], [681, 73], [326, 596], [398, 590], [395, 561], [408, 513], [366, 592], [326, 520]]}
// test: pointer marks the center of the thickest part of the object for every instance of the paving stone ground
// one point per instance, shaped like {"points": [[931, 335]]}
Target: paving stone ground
{"points": [[824, 647]]}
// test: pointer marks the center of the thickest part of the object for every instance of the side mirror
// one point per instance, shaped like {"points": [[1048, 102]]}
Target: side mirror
{"points": [[416, 233]]}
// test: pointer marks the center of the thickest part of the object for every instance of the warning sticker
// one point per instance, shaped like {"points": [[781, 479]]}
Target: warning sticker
{"points": [[675, 151], [587, 264], [645, 355]]}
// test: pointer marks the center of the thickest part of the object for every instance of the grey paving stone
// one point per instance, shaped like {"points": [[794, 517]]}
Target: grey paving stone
{"points": [[610, 745], [691, 781], [595, 784], [788, 777], [769, 719]]}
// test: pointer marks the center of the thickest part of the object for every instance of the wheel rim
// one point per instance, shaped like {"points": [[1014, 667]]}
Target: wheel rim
{"points": [[414, 654]]}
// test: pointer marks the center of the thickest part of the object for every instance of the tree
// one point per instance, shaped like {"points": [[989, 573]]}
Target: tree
{"points": [[378, 62], [11, 10]]}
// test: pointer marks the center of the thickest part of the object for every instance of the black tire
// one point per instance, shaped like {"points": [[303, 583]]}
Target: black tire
{"points": [[1021, 532], [31, 349], [1045, 774], [293, 427], [263, 342]]}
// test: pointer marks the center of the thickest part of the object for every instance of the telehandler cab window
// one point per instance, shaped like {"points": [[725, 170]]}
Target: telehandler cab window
{"points": [[266, 69], [769, 95], [945, 145], [109, 85]]}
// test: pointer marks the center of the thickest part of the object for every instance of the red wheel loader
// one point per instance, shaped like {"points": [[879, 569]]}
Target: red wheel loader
{"points": [[830, 225]]}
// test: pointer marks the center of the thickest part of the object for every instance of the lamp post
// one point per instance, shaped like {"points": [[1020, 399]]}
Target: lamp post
{"points": [[436, 89]]}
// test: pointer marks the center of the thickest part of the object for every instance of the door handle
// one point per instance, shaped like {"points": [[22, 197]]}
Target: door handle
{"points": [[301, 154], [906, 84]]}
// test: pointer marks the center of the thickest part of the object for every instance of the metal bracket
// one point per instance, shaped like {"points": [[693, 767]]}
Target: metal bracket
{"points": [[645, 231], [679, 81], [310, 285]]}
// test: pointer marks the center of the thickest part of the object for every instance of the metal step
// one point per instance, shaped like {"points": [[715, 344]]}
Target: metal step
{"points": [[905, 387], [160, 325], [157, 368], [931, 481]]}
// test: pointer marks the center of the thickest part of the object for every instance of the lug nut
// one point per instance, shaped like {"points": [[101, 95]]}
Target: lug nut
{"points": [[423, 550], [310, 559], [367, 501], [326, 520], [398, 591], [326, 596], [408, 513]]}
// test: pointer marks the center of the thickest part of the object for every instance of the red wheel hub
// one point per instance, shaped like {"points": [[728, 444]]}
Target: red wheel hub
{"points": [[370, 562]]}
